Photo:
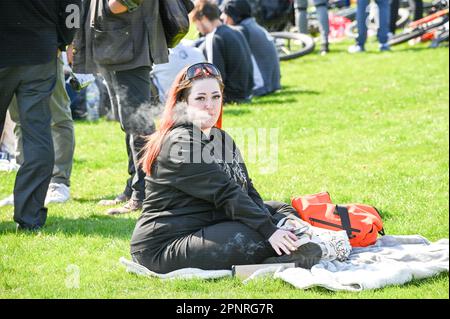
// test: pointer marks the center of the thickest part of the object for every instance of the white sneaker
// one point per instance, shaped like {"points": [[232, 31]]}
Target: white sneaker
{"points": [[7, 163], [57, 193], [8, 201], [355, 49]]}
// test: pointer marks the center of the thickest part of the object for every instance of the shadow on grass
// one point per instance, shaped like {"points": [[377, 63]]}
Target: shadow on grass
{"points": [[79, 161], [419, 283], [294, 90], [276, 101], [384, 214], [236, 112], [412, 49], [285, 96], [95, 200], [95, 225]]}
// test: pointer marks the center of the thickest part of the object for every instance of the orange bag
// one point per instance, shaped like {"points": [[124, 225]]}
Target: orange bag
{"points": [[361, 222]]}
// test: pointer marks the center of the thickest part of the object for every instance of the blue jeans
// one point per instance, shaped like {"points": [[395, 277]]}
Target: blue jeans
{"points": [[384, 18]]}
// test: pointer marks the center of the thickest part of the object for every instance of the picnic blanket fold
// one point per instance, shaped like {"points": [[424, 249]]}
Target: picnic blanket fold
{"points": [[393, 260]]}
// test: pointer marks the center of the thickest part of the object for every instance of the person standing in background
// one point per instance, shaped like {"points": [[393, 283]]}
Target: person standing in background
{"points": [[63, 136], [301, 7], [361, 17], [30, 34], [122, 40]]}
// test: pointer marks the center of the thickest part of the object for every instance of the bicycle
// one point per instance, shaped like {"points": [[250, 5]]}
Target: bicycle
{"points": [[435, 24]]}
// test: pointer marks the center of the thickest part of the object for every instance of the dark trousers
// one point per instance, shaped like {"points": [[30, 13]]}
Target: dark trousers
{"points": [[395, 4], [218, 246], [129, 91], [33, 86], [131, 169]]}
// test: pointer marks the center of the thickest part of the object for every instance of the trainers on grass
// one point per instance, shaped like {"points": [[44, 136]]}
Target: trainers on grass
{"points": [[8, 201], [57, 193]]}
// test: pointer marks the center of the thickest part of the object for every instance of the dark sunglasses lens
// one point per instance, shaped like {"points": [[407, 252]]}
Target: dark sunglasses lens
{"points": [[202, 69], [212, 70]]}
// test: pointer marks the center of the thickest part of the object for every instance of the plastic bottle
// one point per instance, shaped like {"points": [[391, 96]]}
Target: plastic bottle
{"points": [[92, 102]]}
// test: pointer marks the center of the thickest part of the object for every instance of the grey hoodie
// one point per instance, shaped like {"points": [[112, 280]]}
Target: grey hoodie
{"points": [[265, 54]]}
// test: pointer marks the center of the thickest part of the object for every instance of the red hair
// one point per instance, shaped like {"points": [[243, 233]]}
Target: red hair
{"points": [[179, 90]]}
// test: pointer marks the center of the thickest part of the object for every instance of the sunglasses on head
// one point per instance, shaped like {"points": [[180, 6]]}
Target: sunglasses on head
{"points": [[202, 70]]}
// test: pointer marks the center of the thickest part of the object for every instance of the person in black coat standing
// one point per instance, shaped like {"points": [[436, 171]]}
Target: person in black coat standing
{"points": [[122, 40], [30, 34]]}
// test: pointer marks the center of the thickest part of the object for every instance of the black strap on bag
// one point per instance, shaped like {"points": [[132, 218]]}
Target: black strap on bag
{"points": [[342, 211], [175, 19], [381, 232]]}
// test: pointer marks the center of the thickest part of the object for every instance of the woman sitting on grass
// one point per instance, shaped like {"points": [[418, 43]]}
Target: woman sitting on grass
{"points": [[201, 209]]}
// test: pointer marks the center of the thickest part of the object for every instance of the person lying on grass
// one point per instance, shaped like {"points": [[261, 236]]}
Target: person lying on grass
{"points": [[201, 209]]}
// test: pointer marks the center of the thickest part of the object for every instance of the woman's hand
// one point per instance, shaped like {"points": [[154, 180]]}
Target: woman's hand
{"points": [[284, 241]]}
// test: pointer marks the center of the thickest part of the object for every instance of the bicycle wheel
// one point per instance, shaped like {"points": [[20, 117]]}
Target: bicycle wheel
{"points": [[292, 45], [417, 32], [404, 37]]}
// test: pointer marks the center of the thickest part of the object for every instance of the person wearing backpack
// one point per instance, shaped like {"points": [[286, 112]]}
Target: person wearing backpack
{"points": [[266, 65], [122, 39]]}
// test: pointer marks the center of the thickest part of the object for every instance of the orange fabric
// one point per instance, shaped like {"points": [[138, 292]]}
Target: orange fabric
{"points": [[319, 211], [219, 120]]}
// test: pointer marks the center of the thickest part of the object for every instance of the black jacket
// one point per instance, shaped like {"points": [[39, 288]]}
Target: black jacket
{"points": [[32, 30], [228, 49], [186, 193], [117, 42]]}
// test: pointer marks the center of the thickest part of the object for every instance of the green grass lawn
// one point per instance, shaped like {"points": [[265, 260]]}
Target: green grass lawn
{"points": [[370, 128]]}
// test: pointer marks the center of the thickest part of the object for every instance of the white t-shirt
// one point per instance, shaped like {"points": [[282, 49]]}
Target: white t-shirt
{"points": [[179, 57]]}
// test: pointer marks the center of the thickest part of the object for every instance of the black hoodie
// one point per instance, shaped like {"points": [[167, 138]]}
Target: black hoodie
{"points": [[185, 193]]}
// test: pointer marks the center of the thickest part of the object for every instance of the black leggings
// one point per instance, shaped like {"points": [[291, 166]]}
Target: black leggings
{"points": [[218, 246]]}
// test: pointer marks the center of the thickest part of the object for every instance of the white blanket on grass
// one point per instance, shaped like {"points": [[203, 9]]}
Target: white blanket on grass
{"points": [[393, 260]]}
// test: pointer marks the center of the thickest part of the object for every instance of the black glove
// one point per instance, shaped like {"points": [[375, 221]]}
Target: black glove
{"points": [[131, 4]]}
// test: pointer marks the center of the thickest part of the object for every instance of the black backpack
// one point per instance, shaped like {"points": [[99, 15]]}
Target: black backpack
{"points": [[274, 15], [175, 19]]}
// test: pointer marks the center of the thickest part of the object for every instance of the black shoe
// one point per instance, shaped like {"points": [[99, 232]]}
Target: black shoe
{"points": [[33, 229], [305, 256], [79, 115], [324, 49]]}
